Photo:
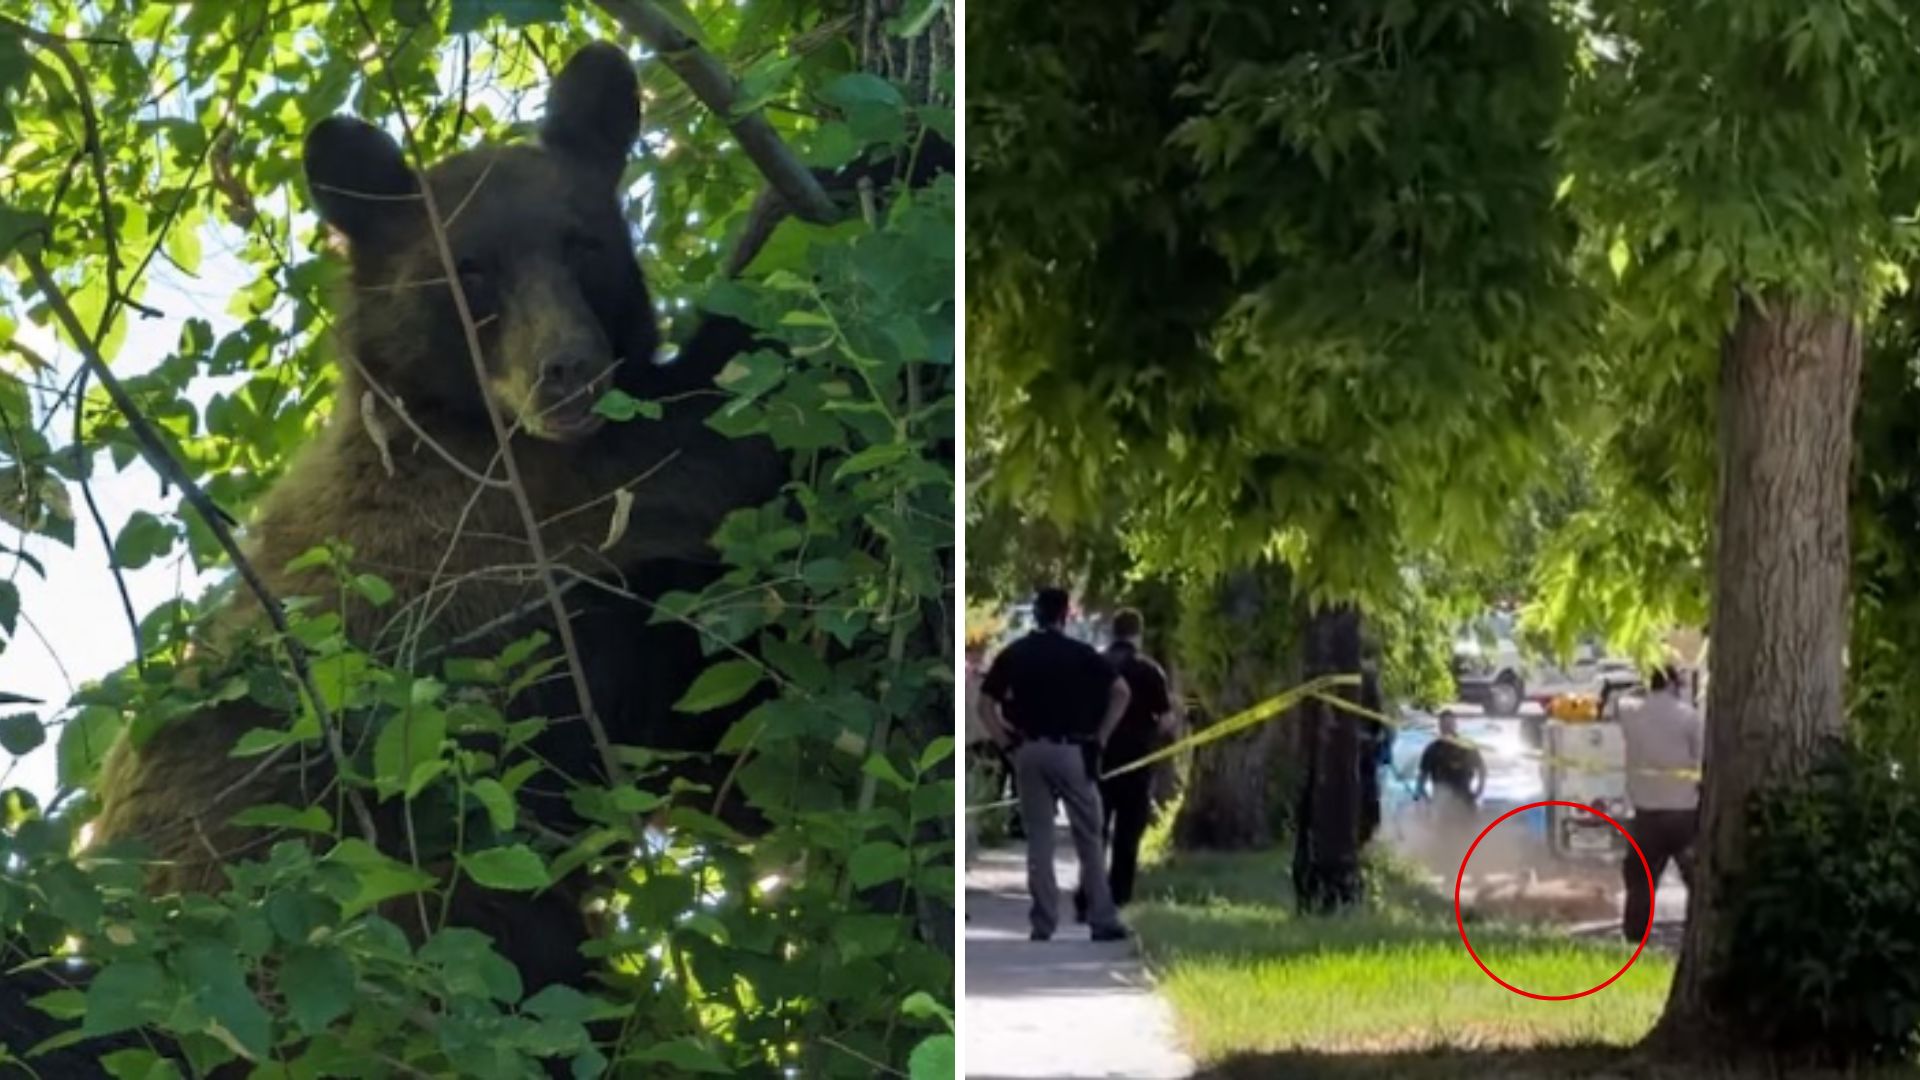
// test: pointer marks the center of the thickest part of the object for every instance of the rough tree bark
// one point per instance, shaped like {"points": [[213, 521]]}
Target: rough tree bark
{"points": [[1230, 791], [1789, 383], [1326, 839]]}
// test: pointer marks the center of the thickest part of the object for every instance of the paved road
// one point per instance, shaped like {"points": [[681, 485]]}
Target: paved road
{"points": [[1067, 1008], [1517, 849]]}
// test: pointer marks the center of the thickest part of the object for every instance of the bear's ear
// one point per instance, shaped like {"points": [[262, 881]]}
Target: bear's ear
{"points": [[593, 109], [359, 180]]}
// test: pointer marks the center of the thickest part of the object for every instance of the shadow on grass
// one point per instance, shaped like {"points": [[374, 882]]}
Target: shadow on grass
{"points": [[1220, 906], [1263, 991], [1546, 1063]]}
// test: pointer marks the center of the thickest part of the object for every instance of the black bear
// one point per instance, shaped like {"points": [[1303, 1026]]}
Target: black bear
{"points": [[415, 490]]}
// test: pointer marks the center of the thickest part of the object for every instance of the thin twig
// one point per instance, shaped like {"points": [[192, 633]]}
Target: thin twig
{"points": [[419, 432], [154, 449], [713, 84], [97, 156], [83, 464], [50, 39]]}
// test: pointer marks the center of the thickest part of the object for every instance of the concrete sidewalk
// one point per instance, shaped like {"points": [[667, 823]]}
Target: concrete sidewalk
{"points": [[1066, 1008]]}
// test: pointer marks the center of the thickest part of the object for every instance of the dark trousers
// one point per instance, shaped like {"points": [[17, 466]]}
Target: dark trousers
{"points": [[1128, 802], [1664, 836]]}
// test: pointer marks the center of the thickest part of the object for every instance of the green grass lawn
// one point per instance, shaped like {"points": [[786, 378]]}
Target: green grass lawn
{"points": [[1389, 991], [1262, 992]]}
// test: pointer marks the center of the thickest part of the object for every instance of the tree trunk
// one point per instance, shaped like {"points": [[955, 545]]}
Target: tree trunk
{"points": [[1326, 842], [1789, 381], [1229, 803]]}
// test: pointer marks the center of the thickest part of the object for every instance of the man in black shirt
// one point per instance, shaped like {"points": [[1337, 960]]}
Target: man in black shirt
{"points": [[1055, 700], [1144, 728], [1452, 771]]}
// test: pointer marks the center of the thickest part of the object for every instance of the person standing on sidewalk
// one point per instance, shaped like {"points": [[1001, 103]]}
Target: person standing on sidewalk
{"points": [[1055, 700], [1146, 726], [1665, 738]]}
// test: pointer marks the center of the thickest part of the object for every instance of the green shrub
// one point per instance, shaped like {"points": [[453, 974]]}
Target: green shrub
{"points": [[1826, 946]]}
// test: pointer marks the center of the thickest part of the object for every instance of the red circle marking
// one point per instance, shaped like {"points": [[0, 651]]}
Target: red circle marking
{"points": [[1462, 924]]}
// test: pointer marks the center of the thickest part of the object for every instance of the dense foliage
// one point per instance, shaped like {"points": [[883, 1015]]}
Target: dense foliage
{"points": [[1307, 292], [146, 140], [1825, 946]]}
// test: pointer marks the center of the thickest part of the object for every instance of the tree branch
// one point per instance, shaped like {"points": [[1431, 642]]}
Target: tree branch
{"points": [[713, 84], [97, 156], [154, 449], [84, 465]]}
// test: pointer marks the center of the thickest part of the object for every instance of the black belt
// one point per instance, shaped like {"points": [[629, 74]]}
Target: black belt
{"points": [[1067, 740]]}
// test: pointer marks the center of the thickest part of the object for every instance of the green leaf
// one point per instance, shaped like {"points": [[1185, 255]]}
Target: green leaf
{"points": [[683, 1053], [860, 88], [84, 742], [377, 878], [873, 457], [914, 21], [1619, 256], [833, 145], [560, 1002], [144, 539], [374, 589], [319, 985], [472, 965], [877, 862], [408, 742], [718, 686], [9, 607], [17, 227], [465, 16], [219, 985], [314, 819], [138, 1064], [622, 406], [124, 994], [62, 1004], [921, 1005], [21, 734], [932, 1059], [295, 915], [880, 768], [936, 752], [501, 810], [513, 869], [860, 936]]}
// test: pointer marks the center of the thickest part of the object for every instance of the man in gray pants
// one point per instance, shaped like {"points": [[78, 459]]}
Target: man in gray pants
{"points": [[1055, 700]]}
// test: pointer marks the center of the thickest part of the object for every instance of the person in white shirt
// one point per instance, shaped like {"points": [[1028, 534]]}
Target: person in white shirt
{"points": [[1665, 740]]}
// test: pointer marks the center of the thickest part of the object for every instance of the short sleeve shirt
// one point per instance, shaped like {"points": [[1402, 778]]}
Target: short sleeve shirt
{"points": [[1138, 733], [1451, 764], [1051, 686], [1665, 739]]}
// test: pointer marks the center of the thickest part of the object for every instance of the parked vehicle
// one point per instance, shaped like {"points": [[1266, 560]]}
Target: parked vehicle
{"points": [[1489, 671]]}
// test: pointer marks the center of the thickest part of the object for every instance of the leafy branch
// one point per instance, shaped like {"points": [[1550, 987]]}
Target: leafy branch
{"points": [[157, 455], [713, 84]]}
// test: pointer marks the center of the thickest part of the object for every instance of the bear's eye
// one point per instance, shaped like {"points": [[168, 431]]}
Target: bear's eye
{"points": [[580, 244]]}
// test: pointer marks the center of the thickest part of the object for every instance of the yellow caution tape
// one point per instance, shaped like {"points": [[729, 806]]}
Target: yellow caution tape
{"points": [[1317, 689]]}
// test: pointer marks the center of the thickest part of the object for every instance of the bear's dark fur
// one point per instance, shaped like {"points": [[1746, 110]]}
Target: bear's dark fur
{"points": [[562, 310], [562, 313]]}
